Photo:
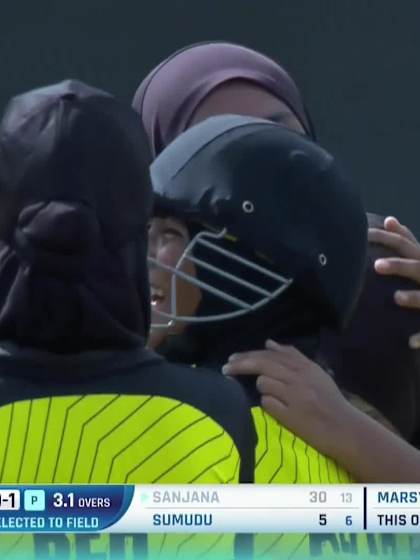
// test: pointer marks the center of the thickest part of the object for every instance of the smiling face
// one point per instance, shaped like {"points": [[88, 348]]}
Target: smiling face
{"points": [[168, 239]]}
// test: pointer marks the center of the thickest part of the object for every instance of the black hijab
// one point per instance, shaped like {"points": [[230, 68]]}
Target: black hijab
{"points": [[75, 201]]}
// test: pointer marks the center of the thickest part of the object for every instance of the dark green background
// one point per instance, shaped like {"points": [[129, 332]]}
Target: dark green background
{"points": [[357, 62]]}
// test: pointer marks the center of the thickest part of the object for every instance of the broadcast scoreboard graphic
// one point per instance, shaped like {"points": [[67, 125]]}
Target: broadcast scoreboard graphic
{"points": [[210, 509]]}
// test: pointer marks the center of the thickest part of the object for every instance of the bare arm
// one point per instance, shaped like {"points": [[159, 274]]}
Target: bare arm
{"points": [[374, 454], [302, 397]]}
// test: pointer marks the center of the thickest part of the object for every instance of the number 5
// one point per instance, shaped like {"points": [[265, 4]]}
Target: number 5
{"points": [[322, 518]]}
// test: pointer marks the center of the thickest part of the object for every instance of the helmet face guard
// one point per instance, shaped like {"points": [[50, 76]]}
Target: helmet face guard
{"points": [[240, 306]]}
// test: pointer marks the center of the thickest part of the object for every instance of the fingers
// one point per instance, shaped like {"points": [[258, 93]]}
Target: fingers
{"points": [[257, 363], [282, 348], [274, 407], [272, 387], [402, 240], [393, 225], [414, 341], [286, 354], [408, 298], [277, 361], [254, 354], [406, 268], [255, 357], [272, 379], [404, 246]]}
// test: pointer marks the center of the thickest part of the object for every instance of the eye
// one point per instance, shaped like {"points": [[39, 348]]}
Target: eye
{"points": [[171, 233]]}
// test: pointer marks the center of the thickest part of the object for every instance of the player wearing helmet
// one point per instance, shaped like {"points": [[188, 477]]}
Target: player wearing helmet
{"points": [[214, 78], [267, 213]]}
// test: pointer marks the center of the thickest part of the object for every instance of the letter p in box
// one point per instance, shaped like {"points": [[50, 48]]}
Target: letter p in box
{"points": [[34, 500]]}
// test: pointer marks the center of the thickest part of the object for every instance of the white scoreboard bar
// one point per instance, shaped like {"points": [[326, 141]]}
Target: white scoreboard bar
{"points": [[248, 508]]}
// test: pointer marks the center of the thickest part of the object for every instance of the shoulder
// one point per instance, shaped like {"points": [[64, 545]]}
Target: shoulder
{"points": [[207, 386], [206, 389], [220, 398]]}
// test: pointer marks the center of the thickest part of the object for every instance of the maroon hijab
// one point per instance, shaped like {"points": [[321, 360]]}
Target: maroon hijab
{"points": [[168, 97]]}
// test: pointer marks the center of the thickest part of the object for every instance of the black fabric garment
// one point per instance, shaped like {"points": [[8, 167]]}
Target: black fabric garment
{"points": [[75, 200], [28, 374], [288, 319], [372, 358]]}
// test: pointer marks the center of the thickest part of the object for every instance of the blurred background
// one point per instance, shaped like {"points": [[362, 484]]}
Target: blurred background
{"points": [[356, 62]]}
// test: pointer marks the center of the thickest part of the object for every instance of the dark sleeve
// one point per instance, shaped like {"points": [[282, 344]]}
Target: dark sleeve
{"points": [[227, 402], [248, 437], [372, 358]]}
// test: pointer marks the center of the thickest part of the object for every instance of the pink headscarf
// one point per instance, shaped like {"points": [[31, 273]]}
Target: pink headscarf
{"points": [[168, 97]]}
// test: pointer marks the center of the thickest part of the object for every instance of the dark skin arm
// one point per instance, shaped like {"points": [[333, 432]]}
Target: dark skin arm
{"points": [[299, 394]]}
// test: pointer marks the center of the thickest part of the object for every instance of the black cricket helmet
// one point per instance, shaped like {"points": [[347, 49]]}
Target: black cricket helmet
{"points": [[271, 193]]}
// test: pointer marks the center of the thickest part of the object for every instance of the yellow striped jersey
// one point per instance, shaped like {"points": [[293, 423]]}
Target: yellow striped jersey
{"points": [[119, 418]]}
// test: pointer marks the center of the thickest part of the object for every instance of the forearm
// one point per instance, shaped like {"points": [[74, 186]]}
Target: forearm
{"points": [[371, 453]]}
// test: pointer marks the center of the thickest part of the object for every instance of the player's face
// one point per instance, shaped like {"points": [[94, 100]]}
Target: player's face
{"points": [[168, 239], [245, 98]]}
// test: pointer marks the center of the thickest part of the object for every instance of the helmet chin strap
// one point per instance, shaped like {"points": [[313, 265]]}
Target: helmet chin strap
{"points": [[240, 306]]}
